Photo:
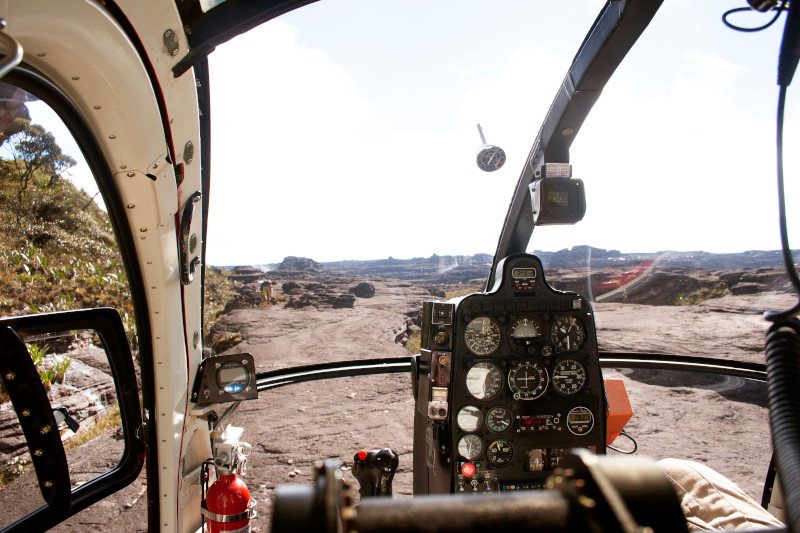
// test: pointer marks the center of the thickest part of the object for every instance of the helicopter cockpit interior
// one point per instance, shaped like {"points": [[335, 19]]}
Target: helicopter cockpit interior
{"points": [[506, 412]]}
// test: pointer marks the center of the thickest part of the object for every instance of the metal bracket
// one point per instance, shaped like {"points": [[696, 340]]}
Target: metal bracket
{"points": [[188, 244], [14, 56]]}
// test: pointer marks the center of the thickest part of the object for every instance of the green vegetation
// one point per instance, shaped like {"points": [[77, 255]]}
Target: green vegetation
{"points": [[52, 372], [219, 290], [57, 247], [701, 295], [414, 342], [461, 291]]}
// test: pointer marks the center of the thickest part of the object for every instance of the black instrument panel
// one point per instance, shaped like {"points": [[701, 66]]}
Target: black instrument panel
{"points": [[514, 382]]}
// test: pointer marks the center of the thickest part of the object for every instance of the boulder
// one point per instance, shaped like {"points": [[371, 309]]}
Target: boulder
{"points": [[363, 290], [344, 301]]}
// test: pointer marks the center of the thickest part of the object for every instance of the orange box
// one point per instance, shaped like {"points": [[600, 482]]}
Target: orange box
{"points": [[619, 408]]}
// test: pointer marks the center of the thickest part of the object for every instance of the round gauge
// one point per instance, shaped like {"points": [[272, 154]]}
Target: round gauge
{"points": [[528, 380], [491, 158], [526, 328], [500, 453], [470, 447], [580, 421], [484, 380], [567, 333], [569, 377], [232, 377], [469, 418], [482, 336], [498, 419]]}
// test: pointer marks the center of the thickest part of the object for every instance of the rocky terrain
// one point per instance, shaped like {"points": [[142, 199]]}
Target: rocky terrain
{"points": [[321, 316]]}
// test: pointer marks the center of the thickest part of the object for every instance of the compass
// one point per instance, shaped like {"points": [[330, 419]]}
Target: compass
{"points": [[490, 157]]}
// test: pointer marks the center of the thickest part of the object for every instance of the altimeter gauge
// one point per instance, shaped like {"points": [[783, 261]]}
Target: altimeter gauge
{"points": [[528, 380], [567, 333], [569, 377], [482, 336]]}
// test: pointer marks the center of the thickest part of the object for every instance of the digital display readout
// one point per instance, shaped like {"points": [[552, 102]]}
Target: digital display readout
{"points": [[518, 273], [537, 423], [558, 198], [232, 377], [533, 421]]}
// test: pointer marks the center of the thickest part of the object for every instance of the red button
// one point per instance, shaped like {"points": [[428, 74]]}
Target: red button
{"points": [[468, 469], [362, 455]]}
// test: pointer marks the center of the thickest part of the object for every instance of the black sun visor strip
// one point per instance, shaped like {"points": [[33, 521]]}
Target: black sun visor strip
{"points": [[391, 365], [28, 396]]}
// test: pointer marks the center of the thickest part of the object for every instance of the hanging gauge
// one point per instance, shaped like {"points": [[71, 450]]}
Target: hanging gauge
{"points": [[490, 157]]}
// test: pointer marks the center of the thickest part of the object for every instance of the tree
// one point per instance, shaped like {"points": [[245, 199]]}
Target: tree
{"points": [[33, 153]]}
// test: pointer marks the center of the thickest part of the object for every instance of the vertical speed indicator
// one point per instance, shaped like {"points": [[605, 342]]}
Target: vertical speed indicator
{"points": [[569, 377]]}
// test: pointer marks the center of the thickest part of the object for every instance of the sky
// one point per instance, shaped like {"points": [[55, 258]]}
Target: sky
{"points": [[347, 130]]}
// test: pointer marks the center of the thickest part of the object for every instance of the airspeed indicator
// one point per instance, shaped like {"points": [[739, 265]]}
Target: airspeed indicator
{"points": [[482, 336]]}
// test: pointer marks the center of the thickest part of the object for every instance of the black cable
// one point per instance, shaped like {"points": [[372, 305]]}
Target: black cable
{"points": [[778, 10], [788, 260], [624, 433]]}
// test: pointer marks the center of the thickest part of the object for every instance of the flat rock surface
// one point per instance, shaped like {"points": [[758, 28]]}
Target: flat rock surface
{"points": [[718, 421]]}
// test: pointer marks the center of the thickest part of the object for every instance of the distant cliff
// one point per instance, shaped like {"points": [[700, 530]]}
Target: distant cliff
{"points": [[463, 268], [436, 268]]}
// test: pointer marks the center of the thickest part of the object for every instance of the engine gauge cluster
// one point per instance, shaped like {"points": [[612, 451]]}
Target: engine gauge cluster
{"points": [[524, 386]]}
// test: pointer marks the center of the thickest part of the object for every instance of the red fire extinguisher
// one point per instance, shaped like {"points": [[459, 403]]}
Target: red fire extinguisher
{"points": [[227, 506]]}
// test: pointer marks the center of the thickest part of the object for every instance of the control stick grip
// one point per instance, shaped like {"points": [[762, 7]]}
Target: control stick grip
{"points": [[374, 470]]}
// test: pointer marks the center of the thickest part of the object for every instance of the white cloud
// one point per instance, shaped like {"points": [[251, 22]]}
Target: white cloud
{"points": [[311, 157]]}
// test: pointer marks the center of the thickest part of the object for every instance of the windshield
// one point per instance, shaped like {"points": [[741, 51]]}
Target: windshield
{"points": [[358, 142], [348, 180]]}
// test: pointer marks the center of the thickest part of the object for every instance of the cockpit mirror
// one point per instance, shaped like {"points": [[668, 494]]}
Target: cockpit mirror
{"points": [[558, 201], [69, 377]]}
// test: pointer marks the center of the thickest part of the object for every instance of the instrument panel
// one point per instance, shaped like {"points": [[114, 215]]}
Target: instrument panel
{"points": [[513, 382]]}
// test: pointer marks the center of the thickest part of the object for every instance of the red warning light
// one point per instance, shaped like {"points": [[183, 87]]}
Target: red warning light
{"points": [[362, 455], [468, 469]]}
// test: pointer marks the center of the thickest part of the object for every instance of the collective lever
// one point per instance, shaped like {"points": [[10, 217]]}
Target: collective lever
{"points": [[375, 470]]}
